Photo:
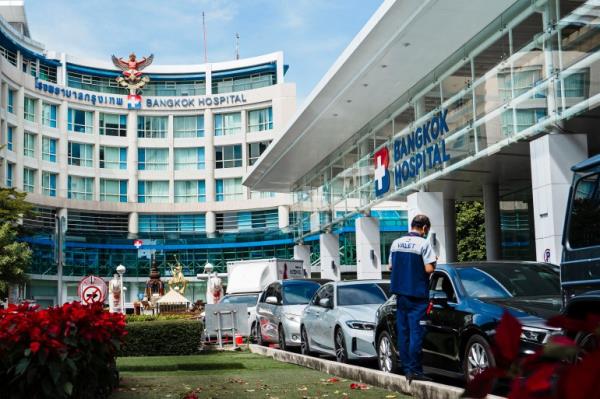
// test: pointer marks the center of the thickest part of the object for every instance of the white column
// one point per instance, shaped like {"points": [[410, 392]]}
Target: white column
{"points": [[133, 223], [368, 248], [284, 216], [552, 156], [443, 225], [211, 222], [330, 256], [302, 252], [132, 157], [491, 204]]}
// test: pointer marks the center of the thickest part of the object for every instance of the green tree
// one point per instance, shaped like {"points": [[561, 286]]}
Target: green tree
{"points": [[15, 256], [470, 231]]}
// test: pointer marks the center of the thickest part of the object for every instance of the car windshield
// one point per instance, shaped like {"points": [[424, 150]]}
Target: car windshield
{"points": [[509, 280], [249, 300], [299, 293], [362, 294]]}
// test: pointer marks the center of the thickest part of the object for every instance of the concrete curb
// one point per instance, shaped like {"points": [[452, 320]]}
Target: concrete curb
{"points": [[392, 382]]}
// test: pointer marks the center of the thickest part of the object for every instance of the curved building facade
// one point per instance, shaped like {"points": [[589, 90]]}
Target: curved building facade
{"points": [[118, 182]]}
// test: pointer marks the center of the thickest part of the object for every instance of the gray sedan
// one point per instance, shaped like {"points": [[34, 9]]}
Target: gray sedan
{"points": [[340, 319], [279, 308]]}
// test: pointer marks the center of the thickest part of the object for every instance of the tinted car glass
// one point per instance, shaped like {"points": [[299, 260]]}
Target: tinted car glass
{"points": [[510, 280], [249, 300], [585, 213], [299, 293], [360, 294]]}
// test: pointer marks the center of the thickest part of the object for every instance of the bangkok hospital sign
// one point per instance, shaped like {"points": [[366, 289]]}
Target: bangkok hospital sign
{"points": [[415, 153]]}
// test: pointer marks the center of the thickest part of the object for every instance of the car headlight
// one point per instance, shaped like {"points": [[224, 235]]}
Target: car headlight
{"points": [[292, 317], [360, 325], [534, 334]]}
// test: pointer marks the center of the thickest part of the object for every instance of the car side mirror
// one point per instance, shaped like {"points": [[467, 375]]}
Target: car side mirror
{"points": [[438, 297], [325, 302], [272, 300]]}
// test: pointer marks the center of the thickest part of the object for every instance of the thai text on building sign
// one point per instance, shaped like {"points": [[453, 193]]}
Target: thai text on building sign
{"points": [[68, 93]]}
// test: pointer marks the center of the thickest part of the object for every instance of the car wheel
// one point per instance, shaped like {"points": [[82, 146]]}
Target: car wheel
{"points": [[587, 343], [282, 344], [341, 355], [259, 338], [304, 345], [386, 354], [478, 357], [253, 331]]}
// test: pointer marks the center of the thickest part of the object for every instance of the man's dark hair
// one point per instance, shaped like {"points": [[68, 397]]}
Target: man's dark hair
{"points": [[420, 221]]}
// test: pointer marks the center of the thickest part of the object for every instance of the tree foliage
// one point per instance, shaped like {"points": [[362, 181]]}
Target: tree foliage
{"points": [[470, 231], [15, 256]]}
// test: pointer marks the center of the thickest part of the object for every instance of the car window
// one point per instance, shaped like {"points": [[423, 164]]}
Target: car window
{"points": [[506, 280], [320, 294], [249, 300], [277, 292], [386, 289], [441, 282], [299, 293], [270, 291], [585, 216], [360, 294]]}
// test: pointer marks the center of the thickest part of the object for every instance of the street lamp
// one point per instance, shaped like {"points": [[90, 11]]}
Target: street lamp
{"points": [[121, 270]]}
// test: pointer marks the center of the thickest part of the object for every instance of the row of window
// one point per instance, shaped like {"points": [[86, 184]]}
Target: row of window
{"points": [[193, 158], [81, 121], [115, 190]]}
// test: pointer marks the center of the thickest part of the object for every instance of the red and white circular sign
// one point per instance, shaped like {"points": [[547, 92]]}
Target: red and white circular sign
{"points": [[92, 289]]}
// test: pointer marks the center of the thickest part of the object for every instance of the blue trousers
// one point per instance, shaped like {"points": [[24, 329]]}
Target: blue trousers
{"points": [[410, 311]]}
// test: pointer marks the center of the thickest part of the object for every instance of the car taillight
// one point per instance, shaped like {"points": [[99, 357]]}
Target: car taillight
{"points": [[429, 307]]}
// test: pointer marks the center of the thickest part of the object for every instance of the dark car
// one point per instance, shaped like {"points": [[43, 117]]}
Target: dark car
{"points": [[466, 303]]}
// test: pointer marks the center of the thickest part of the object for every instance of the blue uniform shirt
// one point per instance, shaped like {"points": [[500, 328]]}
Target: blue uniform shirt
{"points": [[408, 257]]}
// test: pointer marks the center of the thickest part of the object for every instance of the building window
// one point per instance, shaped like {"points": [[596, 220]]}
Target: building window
{"points": [[29, 109], [260, 119], [49, 115], [153, 127], [228, 156], [81, 154], [9, 138], [189, 158], [228, 124], [153, 191], [49, 184], [190, 191], [113, 190], [10, 172], [49, 149], [175, 88], [240, 83], [11, 101], [113, 157], [10, 55], [188, 126], [255, 150], [81, 121], [81, 188], [113, 125], [229, 189], [29, 145], [153, 158], [160, 224], [47, 73], [261, 194], [28, 180]]}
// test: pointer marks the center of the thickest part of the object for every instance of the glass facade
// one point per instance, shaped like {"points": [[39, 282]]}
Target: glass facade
{"points": [[81, 154], [255, 150], [190, 191], [49, 184], [228, 156], [113, 124], [28, 180], [241, 83], [188, 126], [153, 191], [29, 109], [153, 158], [154, 127], [229, 189], [260, 119], [113, 190], [49, 115], [29, 145], [80, 121], [189, 158], [113, 157], [227, 124], [49, 149], [80, 188], [9, 137]]}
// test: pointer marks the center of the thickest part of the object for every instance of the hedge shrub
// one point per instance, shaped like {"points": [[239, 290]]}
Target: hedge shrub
{"points": [[162, 338], [175, 316]]}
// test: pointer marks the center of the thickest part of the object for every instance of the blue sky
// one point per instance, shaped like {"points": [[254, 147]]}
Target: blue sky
{"points": [[311, 33]]}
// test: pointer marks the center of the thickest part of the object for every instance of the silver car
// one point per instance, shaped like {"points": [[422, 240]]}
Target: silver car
{"points": [[279, 308], [340, 319]]}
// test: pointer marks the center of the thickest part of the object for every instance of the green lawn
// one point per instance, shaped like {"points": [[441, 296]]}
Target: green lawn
{"points": [[230, 375]]}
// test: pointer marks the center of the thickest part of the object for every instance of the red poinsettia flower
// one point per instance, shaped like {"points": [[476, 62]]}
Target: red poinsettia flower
{"points": [[507, 340]]}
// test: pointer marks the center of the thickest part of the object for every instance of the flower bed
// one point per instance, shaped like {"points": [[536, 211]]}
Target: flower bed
{"points": [[59, 352]]}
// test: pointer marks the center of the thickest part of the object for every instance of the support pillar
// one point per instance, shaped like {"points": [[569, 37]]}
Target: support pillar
{"points": [[443, 222], [491, 205], [330, 256], [133, 224], [284, 216], [302, 252], [552, 156], [368, 248], [211, 222]]}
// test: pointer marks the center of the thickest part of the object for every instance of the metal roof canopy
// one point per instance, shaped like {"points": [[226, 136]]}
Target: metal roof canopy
{"points": [[399, 46]]}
